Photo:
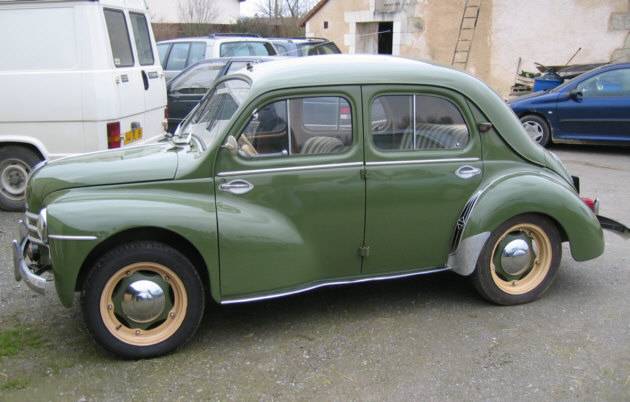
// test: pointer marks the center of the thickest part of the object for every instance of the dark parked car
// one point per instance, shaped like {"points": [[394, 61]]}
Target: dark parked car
{"points": [[591, 108], [187, 88], [304, 46]]}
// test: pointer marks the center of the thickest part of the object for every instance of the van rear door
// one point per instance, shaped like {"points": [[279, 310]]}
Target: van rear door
{"points": [[138, 76]]}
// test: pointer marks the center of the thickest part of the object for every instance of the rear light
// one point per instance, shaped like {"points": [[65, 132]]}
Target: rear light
{"points": [[113, 135], [592, 204]]}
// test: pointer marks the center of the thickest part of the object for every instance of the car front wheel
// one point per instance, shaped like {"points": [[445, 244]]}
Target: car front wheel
{"points": [[519, 260], [142, 299], [537, 128]]}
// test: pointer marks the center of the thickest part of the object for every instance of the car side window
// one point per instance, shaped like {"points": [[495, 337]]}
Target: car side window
{"points": [[197, 53], [162, 49], [177, 56], [298, 126], [612, 83], [417, 122]]}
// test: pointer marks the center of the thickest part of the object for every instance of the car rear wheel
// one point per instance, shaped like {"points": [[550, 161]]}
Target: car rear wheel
{"points": [[537, 128], [519, 260], [142, 299]]}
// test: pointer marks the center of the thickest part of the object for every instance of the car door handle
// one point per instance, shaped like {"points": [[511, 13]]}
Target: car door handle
{"points": [[236, 186], [467, 171]]}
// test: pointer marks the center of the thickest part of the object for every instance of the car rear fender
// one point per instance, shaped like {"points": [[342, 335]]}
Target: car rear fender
{"points": [[521, 193]]}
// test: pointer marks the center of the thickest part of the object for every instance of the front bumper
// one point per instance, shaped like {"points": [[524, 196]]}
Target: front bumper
{"points": [[21, 269]]}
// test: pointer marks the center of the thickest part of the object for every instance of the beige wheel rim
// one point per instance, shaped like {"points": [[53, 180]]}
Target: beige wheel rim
{"points": [[161, 328], [541, 253]]}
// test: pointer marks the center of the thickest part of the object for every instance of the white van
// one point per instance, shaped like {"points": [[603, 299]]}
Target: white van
{"points": [[75, 76]]}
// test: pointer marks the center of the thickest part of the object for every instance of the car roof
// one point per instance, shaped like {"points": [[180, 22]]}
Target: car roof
{"points": [[215, 38], [299, 40]]}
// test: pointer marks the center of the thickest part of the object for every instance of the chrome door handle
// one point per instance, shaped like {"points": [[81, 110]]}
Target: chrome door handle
{"points": [[467, 171], [236, 186]]}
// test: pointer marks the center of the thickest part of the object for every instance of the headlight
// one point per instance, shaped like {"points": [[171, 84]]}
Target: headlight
{"points": [[42, 226]]}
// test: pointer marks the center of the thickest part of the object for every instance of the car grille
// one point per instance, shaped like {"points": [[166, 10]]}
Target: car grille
{"points": [[30, 219]]}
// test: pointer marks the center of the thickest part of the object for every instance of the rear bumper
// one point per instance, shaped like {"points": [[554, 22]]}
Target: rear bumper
{"points": [[21, 270], [614, 226]]}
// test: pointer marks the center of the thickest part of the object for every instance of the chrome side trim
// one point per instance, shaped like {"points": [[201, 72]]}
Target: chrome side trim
{"points": [[291, 169], [65, 237], [421, 161], [464, 260], [332, 283]]}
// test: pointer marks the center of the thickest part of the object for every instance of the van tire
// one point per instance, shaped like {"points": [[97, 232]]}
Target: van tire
{"points": [[16, 163]]}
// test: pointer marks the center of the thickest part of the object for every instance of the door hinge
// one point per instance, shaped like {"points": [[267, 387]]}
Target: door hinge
{"points": [[364, 251], [364, 174]]}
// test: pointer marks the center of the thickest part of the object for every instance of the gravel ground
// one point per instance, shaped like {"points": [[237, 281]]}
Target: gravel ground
{"points": [[429, 338]]}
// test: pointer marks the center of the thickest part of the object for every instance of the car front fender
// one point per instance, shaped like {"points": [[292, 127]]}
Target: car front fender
{"points": [[75, 244], [521, 193]]}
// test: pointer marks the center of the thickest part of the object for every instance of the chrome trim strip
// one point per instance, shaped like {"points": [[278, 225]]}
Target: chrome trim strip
{"points": [[291, 169], [65, 237], [422, 161], [333, 283]]}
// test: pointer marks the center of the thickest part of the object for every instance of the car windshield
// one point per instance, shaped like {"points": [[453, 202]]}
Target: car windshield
{"points": [[215, 110]]}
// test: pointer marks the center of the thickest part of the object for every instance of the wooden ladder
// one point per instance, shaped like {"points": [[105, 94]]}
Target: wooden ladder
{"points": [[466, 33]]}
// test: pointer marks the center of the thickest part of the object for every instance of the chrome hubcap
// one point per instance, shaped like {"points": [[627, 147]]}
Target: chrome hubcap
{"points": [[143, 301], [516, 257]]}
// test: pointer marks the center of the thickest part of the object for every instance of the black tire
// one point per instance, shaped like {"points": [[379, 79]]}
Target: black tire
{"points": [[533, 250], [15, 164], [142, 299], [537, 128]]}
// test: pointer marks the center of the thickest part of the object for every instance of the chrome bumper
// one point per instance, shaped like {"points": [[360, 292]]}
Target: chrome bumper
{"points": [[614, 226], [20, 269]]}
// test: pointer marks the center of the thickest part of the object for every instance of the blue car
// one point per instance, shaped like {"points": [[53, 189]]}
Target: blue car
{"points": [[591, 108]]}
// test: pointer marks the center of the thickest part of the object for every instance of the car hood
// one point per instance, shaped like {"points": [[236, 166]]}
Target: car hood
{"points": [[126, 165]]}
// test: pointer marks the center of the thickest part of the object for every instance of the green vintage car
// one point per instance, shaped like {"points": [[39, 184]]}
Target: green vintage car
{"points": [[298, 174]]}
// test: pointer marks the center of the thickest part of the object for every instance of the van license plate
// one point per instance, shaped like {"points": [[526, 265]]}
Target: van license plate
{"points": [[133, 135]]}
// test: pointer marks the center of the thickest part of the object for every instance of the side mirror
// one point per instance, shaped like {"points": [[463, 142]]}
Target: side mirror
{"points": [[231, 145], [575, 95]]}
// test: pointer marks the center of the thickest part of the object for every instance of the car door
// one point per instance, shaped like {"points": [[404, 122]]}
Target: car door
{"points": [[422, 165], [130, 81], [290, 202], [601, 111]]}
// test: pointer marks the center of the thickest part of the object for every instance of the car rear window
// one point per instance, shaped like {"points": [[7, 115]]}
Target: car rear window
{"points": [[142, 38], [231, 49], [119, 38]]}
